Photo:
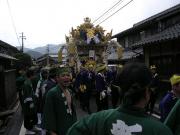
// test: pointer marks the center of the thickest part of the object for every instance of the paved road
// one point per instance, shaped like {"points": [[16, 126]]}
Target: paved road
{"points": [[15, 121]]}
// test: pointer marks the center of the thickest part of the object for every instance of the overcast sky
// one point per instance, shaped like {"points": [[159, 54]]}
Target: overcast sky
{"points": [[47, 21]]}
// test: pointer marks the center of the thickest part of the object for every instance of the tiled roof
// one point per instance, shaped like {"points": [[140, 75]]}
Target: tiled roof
{"points": [[7, 56], [171, 33], [6, 45], [166, 13], [128, 54], [155, 18]]}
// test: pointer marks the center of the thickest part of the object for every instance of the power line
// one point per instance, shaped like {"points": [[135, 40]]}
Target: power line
{"points": [[12, 20], [108, 10], [116, 12]]}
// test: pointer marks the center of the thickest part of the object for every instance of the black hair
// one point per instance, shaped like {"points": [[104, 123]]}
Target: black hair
{"points": [[29, 73], [52, 72], [133, 80], [44, 73]]}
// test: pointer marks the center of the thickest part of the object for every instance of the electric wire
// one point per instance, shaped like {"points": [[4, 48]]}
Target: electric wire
{"points": [[116, 4], [115, 12], [12, 21]]}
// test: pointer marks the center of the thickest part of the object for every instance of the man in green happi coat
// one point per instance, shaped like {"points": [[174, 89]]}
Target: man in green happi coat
{"points": [[28, 104], [19, 83], [173, 119], [59, 112], [130, 117]]}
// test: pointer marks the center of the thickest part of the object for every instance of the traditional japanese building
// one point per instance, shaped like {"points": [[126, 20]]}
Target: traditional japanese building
{"points": [[157, 39], [47, 59], [7, 75]]}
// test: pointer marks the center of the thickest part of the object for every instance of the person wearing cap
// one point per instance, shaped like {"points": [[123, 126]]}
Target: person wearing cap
{"points": [[91, 77], [170, 99], [101, 88], [90, 84], [154, 88], [59, 112], [83, 90], [130, 117]]}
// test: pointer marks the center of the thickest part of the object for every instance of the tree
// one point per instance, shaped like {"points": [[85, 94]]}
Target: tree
{"points": [[24, 60]]}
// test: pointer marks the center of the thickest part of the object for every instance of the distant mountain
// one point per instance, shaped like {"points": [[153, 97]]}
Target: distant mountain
{"points": [[52, 48], [25, 49], [39, 51], [34, 54]]}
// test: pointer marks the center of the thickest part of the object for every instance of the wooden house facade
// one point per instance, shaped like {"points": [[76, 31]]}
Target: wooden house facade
{"points": [[8, 92], [159, 39], [47, 59]]}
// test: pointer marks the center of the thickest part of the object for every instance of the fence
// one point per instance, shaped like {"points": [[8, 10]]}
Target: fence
{"points": [[8, 92]]}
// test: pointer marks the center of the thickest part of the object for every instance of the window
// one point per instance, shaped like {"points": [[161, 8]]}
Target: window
{"points": [[142, 34]]}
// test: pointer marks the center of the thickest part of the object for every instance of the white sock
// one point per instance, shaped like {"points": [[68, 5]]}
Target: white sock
{"points": [[30, 132], [39, 118], [43, 132]]}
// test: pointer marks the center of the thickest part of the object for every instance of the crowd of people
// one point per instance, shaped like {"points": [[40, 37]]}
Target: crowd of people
{"points": [[47, 98]]}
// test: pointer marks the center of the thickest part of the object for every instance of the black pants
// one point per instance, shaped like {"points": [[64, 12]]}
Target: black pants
{"points": [[114, 97], [101, 104], [39, 104], [152, 101], [30, 121], [84, 100]]}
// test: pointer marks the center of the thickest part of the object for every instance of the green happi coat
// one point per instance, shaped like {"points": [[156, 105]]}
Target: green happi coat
{"points": [[56, 116], [119, 121], [173, 119], [19, 85], [28, 98]]}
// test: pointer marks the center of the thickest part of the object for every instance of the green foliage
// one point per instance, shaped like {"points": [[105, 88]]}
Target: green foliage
{"points": [[24, 60]]}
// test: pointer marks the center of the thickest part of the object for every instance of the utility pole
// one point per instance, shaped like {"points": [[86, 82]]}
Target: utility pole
{"points": [[47, 55], [22, 37]]}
